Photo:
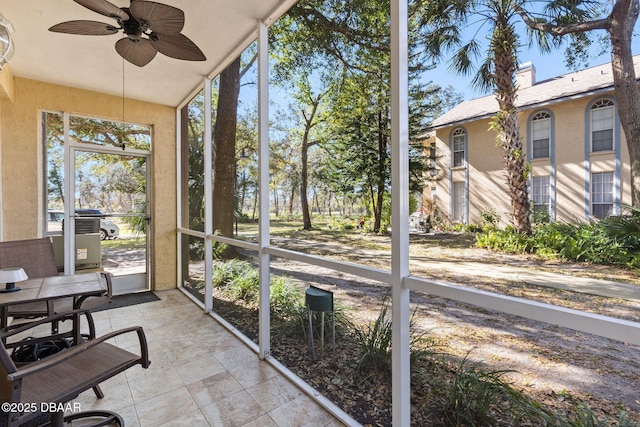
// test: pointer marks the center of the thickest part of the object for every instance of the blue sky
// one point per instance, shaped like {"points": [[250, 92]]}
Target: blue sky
{"points": [[547, 66]]}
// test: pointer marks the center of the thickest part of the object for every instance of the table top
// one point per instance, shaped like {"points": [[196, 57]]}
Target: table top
{"points": [[46, 288]]}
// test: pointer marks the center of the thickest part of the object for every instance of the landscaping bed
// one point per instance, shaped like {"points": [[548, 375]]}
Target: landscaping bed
{"points": [[558, 368]]}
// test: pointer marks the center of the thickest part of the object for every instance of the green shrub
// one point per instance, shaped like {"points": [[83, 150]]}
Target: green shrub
{"points": [[583, 416], [375, 344], [240, 281], [225, 272], [245, 286], [625, 227], [489, 218], [540, 217], [596, 241], [285, 297], [469, 396], [504, 240]]}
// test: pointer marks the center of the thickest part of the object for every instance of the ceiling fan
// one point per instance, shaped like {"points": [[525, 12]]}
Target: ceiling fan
{"points": [[149, 27]]}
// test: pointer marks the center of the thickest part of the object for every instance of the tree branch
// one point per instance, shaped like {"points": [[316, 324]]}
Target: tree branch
{"points": [[561, 30]]}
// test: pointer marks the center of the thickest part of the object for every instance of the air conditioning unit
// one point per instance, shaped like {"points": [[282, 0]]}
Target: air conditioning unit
{"points": [[86, 225], [88, 251]]}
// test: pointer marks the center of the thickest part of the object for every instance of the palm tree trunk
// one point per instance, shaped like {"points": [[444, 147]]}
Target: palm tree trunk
{"points": [[504, 43]]}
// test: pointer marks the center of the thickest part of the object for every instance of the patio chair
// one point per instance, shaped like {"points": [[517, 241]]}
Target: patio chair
{"points": [[59, 378], [37, 259]]}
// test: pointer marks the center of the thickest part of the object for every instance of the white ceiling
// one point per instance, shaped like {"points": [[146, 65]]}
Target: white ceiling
{"points": [[218, 27]]}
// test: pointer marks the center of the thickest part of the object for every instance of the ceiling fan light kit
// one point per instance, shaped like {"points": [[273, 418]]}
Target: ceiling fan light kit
{"points": [[7, 48], [149, 28]]}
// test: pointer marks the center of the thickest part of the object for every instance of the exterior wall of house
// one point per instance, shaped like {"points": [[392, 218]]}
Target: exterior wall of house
{"points": [[569, 166], [482, 172], [22, 169]]}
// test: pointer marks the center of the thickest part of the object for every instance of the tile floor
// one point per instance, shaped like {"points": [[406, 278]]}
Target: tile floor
{"points": [[200, 374]]}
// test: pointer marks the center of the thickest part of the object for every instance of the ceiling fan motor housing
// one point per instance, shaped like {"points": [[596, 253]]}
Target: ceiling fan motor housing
{"points": [[131, 27]]}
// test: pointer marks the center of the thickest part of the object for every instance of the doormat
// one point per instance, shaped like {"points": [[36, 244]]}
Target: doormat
{"points": [[118, 301]]}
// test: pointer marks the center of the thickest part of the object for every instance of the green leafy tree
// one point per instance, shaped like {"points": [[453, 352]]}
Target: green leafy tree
{"points": [[109, 181], [363, 129], [194, 121], [313, 117], [351, 41]]}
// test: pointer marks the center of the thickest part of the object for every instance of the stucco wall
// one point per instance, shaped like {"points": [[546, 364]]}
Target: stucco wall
{"points": [[486, 182], [22, 170]]}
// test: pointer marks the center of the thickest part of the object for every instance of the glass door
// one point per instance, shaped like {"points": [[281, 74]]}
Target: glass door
{"points": [[106, 202], [110, 212]]}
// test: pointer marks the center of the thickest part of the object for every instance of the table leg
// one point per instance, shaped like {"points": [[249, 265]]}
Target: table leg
{"points": [[77, 336]]}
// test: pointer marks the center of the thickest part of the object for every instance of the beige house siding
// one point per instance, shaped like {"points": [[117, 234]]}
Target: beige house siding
{"points": [[22, 169], [567, 166]]}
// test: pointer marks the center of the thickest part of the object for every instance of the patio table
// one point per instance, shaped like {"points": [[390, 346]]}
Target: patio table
{"points": [[77, 286]]}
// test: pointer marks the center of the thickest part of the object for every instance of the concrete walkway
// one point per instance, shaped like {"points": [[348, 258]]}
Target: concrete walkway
{"points": [[587, 285], [569, 282]]}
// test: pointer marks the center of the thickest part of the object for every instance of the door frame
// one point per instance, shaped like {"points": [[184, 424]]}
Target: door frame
{"points": [[70, 150]]}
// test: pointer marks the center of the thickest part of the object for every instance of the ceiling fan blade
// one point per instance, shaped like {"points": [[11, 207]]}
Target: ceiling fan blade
{"points": [[139, 52], [105, 8], [160, 18], [177, 46], [85, 28]]}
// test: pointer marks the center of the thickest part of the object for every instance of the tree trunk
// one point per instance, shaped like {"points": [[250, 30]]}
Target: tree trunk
{"points": [[381, 172], [377, 213], [292, 198], [255, 202], [304, 182], [243, 187], [276, 204], [304, 154], [624, 17], [224, 152], [507, 122]]}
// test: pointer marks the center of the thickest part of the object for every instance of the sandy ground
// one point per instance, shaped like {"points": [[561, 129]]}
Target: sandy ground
{"points": [[549, 362]]}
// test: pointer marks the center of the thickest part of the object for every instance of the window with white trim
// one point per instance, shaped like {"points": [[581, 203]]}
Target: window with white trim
{"points": [[459, 202], [601, 194], [602, 124], [459, 146], [540, 192], [541, 135]]}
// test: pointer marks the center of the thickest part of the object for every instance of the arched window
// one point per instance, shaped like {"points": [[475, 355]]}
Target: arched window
{"points": [[458, 147], [541, 135], [602, 125]]}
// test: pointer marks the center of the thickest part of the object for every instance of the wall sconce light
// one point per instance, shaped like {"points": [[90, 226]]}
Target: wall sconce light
{"points": [[7, 48]]}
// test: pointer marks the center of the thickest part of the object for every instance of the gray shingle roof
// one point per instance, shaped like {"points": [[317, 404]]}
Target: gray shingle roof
{"points": [[571, 85]]}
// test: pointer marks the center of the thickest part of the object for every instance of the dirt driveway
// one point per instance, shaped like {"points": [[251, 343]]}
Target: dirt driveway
{"points": [[552, 364]]}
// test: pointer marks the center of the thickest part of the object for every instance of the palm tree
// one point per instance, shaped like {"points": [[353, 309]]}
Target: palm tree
{"points": [[497, 71]]}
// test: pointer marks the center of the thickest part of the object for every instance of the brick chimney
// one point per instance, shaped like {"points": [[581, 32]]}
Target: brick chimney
{"points": [[526, 75]]}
